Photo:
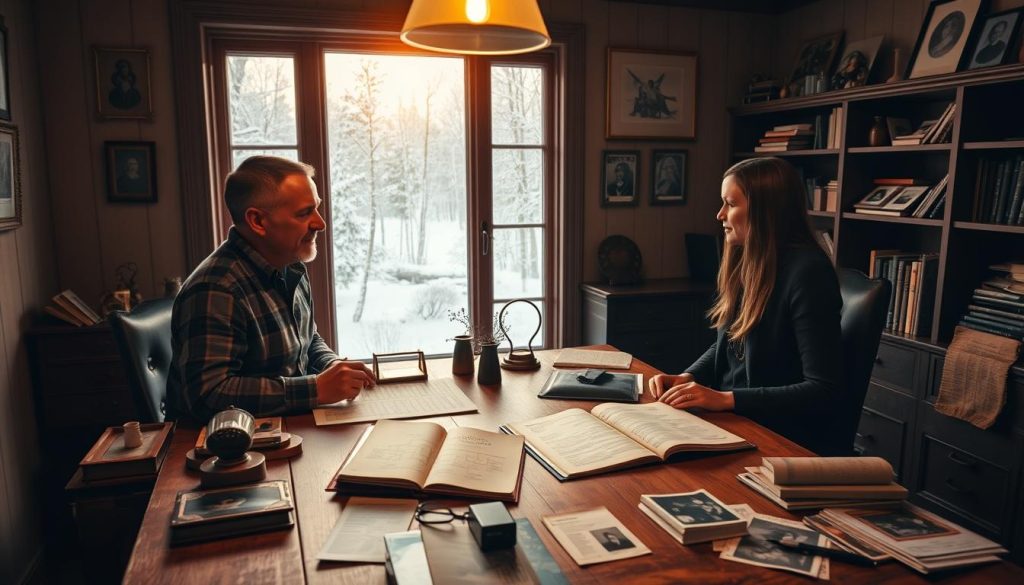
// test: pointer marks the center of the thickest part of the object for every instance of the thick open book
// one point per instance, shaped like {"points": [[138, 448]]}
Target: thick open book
{"points": [[576, 443], [424, 457]]}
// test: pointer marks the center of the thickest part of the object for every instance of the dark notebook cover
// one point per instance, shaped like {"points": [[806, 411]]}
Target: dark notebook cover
{"points": [[610, 387]]}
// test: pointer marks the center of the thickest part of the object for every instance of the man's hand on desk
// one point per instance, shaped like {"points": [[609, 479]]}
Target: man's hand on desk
{"points": [[683, 392], [342, 380]]}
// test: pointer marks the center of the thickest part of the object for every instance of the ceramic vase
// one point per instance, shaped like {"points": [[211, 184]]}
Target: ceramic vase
{"points": [[462, 356], [490, 371], [879, 134]]}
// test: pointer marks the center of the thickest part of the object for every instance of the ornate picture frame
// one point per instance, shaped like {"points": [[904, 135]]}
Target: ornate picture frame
{"points": [[123, 84], [10, 178], [651, 95], [620, 172], [131, 172], [945, 34], [668, 177]]}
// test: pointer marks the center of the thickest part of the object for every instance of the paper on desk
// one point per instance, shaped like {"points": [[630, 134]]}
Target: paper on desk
{"points": [[358, 536], [394, 401], [745, 512], [594, 536]]}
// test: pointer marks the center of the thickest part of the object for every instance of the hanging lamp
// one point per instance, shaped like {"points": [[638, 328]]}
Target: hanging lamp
{"points": [[476, 27]]}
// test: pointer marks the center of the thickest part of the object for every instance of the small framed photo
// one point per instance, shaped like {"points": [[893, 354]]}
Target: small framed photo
{"points": [[816, 56], [668, 177], [131, 172], [855, 65], [122, 84], [878, 197], [231, 502], [651, 94], [5, 86], [995, 39], [944, 36], [905, 199], [619, 178], [10, 178]]}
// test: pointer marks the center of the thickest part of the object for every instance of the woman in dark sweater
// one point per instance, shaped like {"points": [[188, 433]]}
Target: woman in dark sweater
{"points": [[777, 359]]}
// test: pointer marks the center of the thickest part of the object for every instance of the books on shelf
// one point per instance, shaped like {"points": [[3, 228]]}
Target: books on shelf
{"points": [[692, 517], [835, 128], [913, 277], [999, 193], [576, 443], [208, 514], [419, 457], [936, 131], [70, 308], [921, 540], [801, 483], [997, 306]]}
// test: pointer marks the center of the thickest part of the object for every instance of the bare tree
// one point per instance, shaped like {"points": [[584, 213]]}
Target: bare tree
{"points": [[421, 244]]}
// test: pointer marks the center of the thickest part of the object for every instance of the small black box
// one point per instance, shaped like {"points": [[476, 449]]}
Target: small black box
{"points": [[492, 526]]}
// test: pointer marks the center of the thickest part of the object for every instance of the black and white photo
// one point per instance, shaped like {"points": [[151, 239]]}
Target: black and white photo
{"points": [[695, 508], [131, 172], [757, 550], [123, 83], [907, 197], [668, 177], [878, 197], [612, 539], [943, 37], [995, 39], [903, 525], [233, 501], [619, 178], [651, 94]]}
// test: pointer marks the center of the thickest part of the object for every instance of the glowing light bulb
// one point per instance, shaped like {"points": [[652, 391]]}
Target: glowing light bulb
{"points": [[478, 11]]}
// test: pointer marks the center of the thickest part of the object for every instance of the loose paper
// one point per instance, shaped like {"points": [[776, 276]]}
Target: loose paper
{"points": [[358, 536], [594, 536], [393, 401]]}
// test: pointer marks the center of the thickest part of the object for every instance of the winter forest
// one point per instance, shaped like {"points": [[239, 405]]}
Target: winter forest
{"points": [[396, 129]]}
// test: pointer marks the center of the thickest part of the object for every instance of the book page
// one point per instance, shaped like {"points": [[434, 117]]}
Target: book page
{"points": [[594, 536], [391, 401], [577, 442], [402, 450], [661, 428], [478, 460], [358, 535], [828, 470]]}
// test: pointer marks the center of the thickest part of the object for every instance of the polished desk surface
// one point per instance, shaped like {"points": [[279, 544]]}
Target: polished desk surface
{"points": [[289, 556]]}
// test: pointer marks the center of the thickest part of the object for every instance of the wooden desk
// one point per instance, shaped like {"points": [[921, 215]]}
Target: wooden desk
{"points": [[289, 556]]}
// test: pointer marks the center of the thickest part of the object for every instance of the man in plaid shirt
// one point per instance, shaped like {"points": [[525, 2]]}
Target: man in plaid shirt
{"points": [[242, 328]]}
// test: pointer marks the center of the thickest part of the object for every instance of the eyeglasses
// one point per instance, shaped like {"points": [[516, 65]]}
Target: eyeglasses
{"points": [[428, 515]]}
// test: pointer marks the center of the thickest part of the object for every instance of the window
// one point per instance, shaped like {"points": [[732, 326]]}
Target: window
{"points": [[438, 173]]}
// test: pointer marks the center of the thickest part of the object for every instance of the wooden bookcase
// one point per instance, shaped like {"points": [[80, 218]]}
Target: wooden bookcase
{"points": [[970, 475]]}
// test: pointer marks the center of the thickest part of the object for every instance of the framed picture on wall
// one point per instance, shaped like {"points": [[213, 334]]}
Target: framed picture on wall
{"points": [[10, 178], [944, 35], [5, 86], [131, 172], [122, 84], [619, 172], [651, 94], [995, 39], [668, 177]]}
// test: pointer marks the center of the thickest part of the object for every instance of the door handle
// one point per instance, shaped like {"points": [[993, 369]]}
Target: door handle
{"points": [[485, 239]]}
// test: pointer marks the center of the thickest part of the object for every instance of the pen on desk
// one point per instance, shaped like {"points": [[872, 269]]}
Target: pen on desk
{"points": [[832, 553]]}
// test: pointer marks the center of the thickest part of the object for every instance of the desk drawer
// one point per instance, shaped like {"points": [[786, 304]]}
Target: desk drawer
{"points": [[895, 368], [965, 483], [880, 435]]}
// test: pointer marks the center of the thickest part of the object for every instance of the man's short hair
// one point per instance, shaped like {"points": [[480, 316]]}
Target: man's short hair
{"points": [[256, 180]]}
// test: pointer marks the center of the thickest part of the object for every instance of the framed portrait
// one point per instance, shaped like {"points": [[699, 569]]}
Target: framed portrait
{"points": [[131, 172], [944, 35], [122, 84], [878, 197], [816, 56], [668, 177], [651, 94], [619, 178], [995, 37], [10, 178], [907, 198], [856, 63], [5, 86]]}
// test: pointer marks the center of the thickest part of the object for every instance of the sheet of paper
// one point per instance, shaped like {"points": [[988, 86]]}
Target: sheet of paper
{"points": [[592, 358], [743, 511], [358, 536], [594, 536], [393, 401]]}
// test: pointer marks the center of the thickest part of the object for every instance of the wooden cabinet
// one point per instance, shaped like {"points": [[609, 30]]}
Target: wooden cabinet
{"points": [[661, 322]]}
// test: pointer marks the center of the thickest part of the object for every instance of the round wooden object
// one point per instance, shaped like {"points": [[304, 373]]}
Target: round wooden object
{"points": [[194, 460], [213, 473], [520, 360], [291, 448]]}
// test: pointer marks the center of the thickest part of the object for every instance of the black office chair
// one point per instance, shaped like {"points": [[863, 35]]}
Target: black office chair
{"points": [[865, 303], [144, 338]]}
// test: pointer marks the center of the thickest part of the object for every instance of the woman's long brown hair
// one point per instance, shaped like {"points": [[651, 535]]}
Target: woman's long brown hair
{"points": [[777, 217]]}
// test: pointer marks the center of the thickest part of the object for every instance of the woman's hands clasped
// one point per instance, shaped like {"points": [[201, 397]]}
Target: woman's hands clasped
{"points": [[683, 392]]}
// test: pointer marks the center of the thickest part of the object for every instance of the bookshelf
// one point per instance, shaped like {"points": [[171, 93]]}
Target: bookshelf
{"points": [[970, 475]]}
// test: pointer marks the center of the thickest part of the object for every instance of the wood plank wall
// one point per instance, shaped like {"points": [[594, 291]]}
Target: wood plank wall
{"points": [[27, 278]]}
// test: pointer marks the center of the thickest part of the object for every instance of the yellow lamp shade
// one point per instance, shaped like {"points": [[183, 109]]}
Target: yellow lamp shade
{"points": [[476, 27]]}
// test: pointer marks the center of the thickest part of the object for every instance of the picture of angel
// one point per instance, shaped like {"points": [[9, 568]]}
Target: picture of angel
{"points": [[650, 102], [651, 94]]}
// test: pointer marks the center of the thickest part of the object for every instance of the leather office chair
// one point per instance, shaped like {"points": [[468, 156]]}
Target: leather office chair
{"points": [[144, 338], [865, 304]]}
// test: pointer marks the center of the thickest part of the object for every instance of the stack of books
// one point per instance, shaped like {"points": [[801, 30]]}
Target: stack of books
{"points": [[929, 132], [913, 276], [922, 541], [762, 91], [693, 516], [810, 483], [786, 137], [998, 305], [999, 196], [70, 308]]}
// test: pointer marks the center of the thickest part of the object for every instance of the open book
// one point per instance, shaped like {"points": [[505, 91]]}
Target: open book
{"points": [[424, 457], [575, 443]]}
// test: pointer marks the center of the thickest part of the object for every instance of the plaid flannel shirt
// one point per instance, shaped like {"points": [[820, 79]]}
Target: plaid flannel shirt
{"points": [[243, 335]]}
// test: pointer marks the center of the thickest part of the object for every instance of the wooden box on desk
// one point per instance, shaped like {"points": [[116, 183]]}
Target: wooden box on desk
{"points": [[661, 321]]}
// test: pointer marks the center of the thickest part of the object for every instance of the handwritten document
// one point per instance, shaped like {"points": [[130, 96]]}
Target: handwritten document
{"points": [[394, 401]]}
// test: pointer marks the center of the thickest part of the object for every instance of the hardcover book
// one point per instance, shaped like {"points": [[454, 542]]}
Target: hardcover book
{"points": [[208, 514], [109, 457]]}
